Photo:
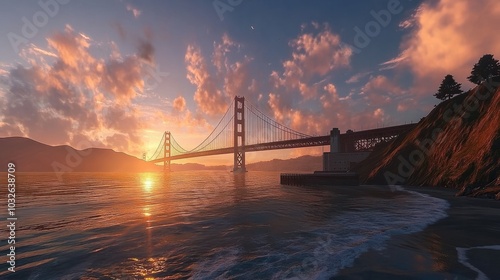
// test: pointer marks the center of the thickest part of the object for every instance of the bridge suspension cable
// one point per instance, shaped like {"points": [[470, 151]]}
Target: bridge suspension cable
{"points": [[220, 132], [259, 129], [159, 150]]}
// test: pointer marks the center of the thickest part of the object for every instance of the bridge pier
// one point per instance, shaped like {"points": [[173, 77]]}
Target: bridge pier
{"points": [[166, 152], [239, 134], [334, 140]]}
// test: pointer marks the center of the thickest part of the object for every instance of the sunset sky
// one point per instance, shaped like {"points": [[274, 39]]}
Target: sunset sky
{"points": [[117, 74]]}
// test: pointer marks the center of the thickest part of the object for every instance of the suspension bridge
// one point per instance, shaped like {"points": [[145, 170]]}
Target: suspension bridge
{"points": [[244, 128]]}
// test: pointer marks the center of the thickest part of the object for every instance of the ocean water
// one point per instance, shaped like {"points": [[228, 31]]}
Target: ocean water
{"points": [[202, 225]]}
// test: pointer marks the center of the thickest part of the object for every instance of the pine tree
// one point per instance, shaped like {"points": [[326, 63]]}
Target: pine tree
{"points": [[448, 88], [486, 68]]}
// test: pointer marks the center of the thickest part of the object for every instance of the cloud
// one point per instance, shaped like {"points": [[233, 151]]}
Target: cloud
{"points": [[406, 24], [64, 94], [299, 102], [179, 104], [136, 12], [71, 48], [379, 91], [314, 55], [237, 80], [121, 118], [146, 51], [120, 29], [448, 36], [235, 76], [333, 111], [215, 89], [277, 107], [332, 97], [407, 104], [355, 78], [208, 97], [382, 85], [44, 52], [319, 53], [395, 62], [221, 49], [123, 78]]}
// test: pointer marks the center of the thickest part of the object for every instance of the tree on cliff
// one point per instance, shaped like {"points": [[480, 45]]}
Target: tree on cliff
{"points": [[448, 88], [487, 67]]}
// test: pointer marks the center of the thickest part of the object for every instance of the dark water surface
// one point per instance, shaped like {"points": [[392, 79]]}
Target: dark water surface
{"points": [[205, 225]]}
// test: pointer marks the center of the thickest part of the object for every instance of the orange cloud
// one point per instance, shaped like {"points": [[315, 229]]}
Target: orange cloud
{"points": [[179, 104], [208, 97], [320, 53], [334, 112], [219, 58], [379, 90], [71, 48], [237, 79], [66, 95], [313, 55], [318, 56], [276, 107], [123, 78], [214, 90], [448, 37], [407, 104]]}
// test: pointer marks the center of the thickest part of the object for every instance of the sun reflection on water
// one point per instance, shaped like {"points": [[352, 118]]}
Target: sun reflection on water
{"points": [[147, 211], [147, 185], [147, 181]]}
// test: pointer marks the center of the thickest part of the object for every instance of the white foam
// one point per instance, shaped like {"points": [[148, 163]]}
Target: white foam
{"points": [[396, 188], [462, 258], [216, 266], [358, 232], [323, 252]]}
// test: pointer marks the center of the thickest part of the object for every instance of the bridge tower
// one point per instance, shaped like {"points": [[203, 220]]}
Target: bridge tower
{"points": [[166, 152], [239, 134]]}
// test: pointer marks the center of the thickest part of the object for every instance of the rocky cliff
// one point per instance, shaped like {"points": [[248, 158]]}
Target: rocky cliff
{"points": [[456, 146]]}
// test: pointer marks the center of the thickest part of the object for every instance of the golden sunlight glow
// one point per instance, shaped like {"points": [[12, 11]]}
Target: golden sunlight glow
{"points": [[147, 211], [147, 185]]}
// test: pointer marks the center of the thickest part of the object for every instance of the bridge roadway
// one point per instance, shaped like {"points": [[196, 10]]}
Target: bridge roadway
{"points": [[299, 143]]}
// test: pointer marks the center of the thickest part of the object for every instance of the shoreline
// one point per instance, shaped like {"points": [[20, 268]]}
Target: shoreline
{"points": [[463, 245]]}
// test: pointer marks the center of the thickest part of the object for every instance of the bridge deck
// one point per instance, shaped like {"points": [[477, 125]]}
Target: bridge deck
{"points": [[347, 142], [297, 143]]}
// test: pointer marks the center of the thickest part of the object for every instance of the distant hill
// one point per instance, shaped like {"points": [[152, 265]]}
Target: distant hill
{"points": [[32, 156], [465, 155], [300, 164]]}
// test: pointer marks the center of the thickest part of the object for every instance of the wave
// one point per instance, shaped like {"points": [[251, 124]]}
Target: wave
{"points": [[322, 252]]}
